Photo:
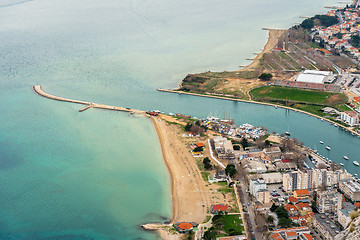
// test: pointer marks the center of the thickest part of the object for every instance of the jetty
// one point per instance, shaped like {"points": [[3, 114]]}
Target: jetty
{"points": [[38, 90], [155, 226]]}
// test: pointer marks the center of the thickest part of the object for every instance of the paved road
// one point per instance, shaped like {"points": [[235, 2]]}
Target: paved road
{"points": [[250, 215]]}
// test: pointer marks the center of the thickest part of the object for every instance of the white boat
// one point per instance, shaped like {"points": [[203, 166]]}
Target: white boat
{"points": [[321, 142], [287, 133], [328, 148], [356, 163], [341, 164], [346, 157]]}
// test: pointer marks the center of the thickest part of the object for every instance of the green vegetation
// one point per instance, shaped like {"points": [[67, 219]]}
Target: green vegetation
{"points": [[355, 41], [298, 95], [230, 170], [307, 23], [205, 176], [265, 76], [236, 147], [208, 217], [198, 149], [323, 20], [224, 225], [206, 163], [283, 216], [244, 142]]}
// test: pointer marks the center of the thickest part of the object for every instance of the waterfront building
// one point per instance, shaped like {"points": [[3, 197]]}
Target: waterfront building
{"points": [[328, 202], [350, 117], [351, 189], [184, 227], [325, 227], [312, 179], [256, 185], [344, 213], [356, 103]]}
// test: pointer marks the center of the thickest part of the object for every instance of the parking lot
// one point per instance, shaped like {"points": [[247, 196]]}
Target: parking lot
{"points": [[277, 193], [351, 82]]}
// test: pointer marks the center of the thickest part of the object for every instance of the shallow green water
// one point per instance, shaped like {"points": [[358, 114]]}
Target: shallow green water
{"points": [[99, 174]]}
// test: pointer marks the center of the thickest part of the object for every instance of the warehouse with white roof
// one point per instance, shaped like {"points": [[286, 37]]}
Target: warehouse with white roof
{"points": [[313, 76]]}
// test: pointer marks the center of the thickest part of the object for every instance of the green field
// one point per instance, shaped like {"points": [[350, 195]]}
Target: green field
{"points": [[228, 225], [275, 93]]}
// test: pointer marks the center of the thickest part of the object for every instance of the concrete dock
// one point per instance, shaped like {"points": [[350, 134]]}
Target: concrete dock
{"points": [[38, 90]]}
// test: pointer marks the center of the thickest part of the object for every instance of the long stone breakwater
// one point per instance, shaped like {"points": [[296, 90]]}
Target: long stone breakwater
{"points": [[38, 90]]}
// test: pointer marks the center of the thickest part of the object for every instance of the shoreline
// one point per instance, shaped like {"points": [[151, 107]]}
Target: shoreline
{"points": [[189, 194], [273, 37], [260, 103], [161, 142]]}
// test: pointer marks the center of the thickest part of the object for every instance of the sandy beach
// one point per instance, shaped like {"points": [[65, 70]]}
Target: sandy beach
{"points": [[274, 35], [191, 198]]}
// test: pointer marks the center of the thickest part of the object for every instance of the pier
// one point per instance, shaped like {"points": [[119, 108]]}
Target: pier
{"points": [[38, 90]]}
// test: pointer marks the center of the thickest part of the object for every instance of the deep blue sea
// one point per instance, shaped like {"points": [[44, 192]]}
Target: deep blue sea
{"points": [[99, 174]]}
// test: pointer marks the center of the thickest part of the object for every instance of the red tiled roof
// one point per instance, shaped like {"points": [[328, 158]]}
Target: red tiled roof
{"points": [[302, 192], [289, 207], [302, 205], [200, 145], [289, 234], [293, 199], [221, 208], [307, 236], [357, 99], [185, 226], [357, 204], [276, 236]]}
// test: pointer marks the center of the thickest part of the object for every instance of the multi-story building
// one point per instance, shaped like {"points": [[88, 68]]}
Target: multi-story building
{"points": [[350, 188], [301, 194], [312, 179], [356, 103], [327, 228], [263, 196], [350, 117], [291, 233], [344, 213], [223, 148], [328, 202], [256, 185]]}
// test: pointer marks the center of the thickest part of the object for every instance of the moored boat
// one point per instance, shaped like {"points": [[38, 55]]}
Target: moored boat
{"points": [[328, 148], [346, 157], [321, 142], [356, 163], [341, 164]]}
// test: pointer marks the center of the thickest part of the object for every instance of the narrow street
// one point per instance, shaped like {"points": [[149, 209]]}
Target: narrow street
{"points": [[247, 204]]}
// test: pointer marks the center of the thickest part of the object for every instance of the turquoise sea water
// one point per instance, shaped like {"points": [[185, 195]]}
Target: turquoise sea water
{"points": [[99, 174]]}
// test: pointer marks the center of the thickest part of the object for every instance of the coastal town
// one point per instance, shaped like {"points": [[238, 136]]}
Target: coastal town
{"points": [[271, 185], [232, 180], [312, 67]]}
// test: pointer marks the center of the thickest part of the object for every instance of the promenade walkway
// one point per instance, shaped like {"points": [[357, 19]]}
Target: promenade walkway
{"points": [[38, 90]]}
